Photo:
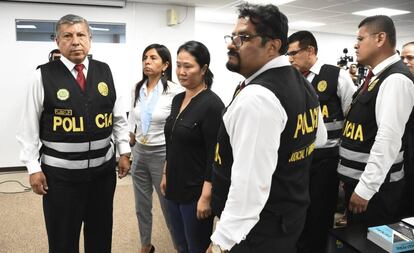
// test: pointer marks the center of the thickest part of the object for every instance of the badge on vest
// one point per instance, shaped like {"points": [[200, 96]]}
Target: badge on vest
{"points": [[103, 89], [62, 94], [322, 86], [372, 85]]}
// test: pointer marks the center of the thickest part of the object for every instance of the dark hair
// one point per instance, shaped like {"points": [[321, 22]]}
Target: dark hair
{"points": [[408, 43], [54, 51], [165, 55], [202, 56], [305, 39], [381, 23], [269, 22]]}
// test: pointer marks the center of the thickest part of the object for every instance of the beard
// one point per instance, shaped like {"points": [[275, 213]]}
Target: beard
{"points": [[234, 67]]}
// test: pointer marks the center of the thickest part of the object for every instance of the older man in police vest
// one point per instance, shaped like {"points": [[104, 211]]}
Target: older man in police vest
{"points": [[72, 109]]}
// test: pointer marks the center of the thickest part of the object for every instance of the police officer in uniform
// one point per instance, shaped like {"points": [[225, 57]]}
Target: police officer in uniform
{"points": [[72, 109], [265, 142], [371, 151], [334, 88]]}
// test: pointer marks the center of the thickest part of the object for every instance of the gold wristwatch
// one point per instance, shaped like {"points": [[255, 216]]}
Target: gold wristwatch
{"points": [[216, 249]]}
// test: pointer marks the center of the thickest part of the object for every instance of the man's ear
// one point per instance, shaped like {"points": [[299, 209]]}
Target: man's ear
{"points": [[381, 38], [274, 46]]}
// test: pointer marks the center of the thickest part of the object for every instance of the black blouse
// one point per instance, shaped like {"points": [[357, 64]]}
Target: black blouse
{"points": [[190, 139]]}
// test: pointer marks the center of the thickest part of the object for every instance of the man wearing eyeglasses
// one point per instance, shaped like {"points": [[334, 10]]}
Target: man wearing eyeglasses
{"points": [[335, 88], [373, 141], [73, 110], [265, 142]]}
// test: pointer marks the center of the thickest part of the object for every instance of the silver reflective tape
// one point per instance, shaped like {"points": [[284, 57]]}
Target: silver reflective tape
{"points": [[397, 176], [101, 160], [77, 147], [77, 164], [330, 143], [363, 157], [356, 174], [95, 145], [349, 172], [335, 125]]}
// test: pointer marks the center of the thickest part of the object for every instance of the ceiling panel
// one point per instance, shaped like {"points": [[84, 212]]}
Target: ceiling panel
{"points": [[337, 14]]}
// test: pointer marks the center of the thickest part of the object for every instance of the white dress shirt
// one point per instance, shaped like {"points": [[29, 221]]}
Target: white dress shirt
{"points": [[393, 107], [345, 89], [28, 129], [155, 135], [254, 122]]}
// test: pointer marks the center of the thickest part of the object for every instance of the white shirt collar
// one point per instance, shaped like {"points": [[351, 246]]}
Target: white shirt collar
{"points": [[385, 63], [70, 65], [277, 62], [316, 68]]}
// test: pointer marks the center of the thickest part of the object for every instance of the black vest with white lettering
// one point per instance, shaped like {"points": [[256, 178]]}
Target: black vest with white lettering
{"points": [[360, 129], [290, 182], [76, 125], [326, 86]]}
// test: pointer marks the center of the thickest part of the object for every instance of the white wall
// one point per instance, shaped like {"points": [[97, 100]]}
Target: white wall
{"points": [[145, 24]]}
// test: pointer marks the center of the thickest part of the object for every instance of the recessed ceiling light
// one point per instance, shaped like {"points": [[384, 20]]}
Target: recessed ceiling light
{"points": [[305, 24], [99, 29], [380, 11], [26, 26]]}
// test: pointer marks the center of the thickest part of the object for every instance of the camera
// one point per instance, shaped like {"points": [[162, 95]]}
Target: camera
{"points": [[343, 60]]}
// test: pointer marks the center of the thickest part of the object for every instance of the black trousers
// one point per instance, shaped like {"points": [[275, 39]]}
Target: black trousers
{"points": [[407, 203], [67, 204], [323, 189], [383, 208], [272, 234]]}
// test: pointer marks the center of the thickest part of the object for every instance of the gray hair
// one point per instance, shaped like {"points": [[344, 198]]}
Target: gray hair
{"points": [[71, 19]]}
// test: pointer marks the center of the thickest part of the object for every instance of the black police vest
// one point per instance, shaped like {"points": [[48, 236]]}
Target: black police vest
{"points": [[76, 126], [360, 130], [289, 190], [326, 86]]}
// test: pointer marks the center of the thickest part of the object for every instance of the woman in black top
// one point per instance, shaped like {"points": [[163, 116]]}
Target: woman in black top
{"points": [[190, 133]]}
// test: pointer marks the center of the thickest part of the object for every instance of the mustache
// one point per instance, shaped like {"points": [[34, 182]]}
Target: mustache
{"points": [[233, 53]]}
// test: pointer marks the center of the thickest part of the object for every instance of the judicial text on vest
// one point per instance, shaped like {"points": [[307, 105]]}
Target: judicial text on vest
{"points": [[76, 124]]}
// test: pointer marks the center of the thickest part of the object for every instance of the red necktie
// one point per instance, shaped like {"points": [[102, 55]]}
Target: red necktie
{"points": [[239, 88], [305, 74], [80, 78], [367, 80]]}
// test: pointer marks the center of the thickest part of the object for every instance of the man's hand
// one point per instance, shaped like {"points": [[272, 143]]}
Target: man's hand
{"points": [[357, 204], [38, 183], [123, 166], [209, 249]]}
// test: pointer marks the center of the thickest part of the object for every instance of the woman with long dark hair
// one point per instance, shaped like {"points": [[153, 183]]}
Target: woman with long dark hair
{"points": [[191, 132], [152, 105]]}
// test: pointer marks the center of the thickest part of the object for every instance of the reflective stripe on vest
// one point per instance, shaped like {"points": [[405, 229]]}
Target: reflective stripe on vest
{"points": [[77, 164], [335, 125], [77, 147], [363, 157], [330, 143], [356, 174]]}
